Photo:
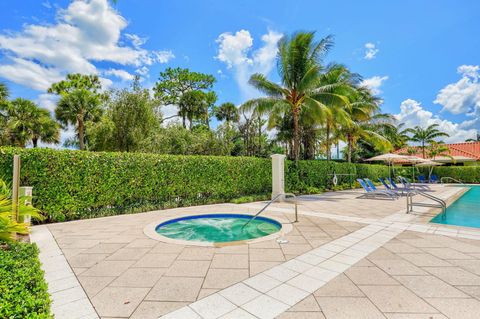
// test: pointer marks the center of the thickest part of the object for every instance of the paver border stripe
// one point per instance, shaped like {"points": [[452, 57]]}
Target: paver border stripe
{"points": [[69, 300]]}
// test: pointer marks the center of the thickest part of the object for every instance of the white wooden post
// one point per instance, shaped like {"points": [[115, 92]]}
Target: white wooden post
{"points": [[278, 175]]}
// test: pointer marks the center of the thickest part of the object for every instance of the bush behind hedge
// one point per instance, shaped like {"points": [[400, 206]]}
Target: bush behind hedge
{"points": [[71, 185], [23, 291]]}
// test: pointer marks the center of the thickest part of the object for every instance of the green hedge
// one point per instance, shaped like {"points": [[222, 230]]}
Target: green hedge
{"points": [[466, 174], [23, 291], [71, 185], [314, 176]]}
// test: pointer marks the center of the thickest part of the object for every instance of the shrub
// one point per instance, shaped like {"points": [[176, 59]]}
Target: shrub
{"points": [[71, 185], [466, 174], [372, 172], [23, 291]]}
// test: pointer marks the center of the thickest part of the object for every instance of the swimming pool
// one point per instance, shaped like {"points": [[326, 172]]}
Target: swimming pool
{"points": [[218, 228], [465, 211]]}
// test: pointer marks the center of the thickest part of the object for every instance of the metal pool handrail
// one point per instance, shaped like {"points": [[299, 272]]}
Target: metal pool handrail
{"points": [[453, 179], [441, 203], [269, 203]]}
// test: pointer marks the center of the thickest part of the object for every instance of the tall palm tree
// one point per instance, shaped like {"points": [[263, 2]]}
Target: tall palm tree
{"points": [[76, 108], [340, 112], [299, 67], [79, 102], [425, 136], [397, 135], [366, 121], [227, 112]]}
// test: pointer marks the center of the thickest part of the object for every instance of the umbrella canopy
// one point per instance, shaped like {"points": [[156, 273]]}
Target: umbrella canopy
{"points": [[389, 157], [428, 163], [415, 159]]}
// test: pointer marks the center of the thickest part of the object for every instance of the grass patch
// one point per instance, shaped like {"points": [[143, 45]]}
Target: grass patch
{"points": [[23, 290], [251, 198]]}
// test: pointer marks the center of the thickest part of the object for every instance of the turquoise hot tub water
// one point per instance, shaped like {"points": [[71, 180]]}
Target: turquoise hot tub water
{"points": [[218, 228], [465, 211]]}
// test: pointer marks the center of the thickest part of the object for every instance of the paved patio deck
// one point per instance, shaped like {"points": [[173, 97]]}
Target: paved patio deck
{"points": [[345, 258]]}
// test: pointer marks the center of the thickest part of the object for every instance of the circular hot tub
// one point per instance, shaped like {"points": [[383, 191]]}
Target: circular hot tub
{"points": [[218, 228]]}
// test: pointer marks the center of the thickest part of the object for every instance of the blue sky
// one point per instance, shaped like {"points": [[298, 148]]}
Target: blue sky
{"points": [[421, 57]]}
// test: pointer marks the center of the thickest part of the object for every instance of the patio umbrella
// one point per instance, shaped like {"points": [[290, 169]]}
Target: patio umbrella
{"points": [[415, 160], [429, 163], [389, 158]]}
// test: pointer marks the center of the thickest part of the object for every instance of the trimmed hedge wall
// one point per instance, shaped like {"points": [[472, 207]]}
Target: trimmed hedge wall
{"points": [[71, 185], [466, 174], [23, 291]]}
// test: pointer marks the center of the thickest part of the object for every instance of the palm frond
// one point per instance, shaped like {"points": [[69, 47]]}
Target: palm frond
{"points": [[261, 83]]}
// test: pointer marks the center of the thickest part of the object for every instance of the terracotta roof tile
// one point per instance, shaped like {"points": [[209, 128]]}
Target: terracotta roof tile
{"points": [[467, 149]]}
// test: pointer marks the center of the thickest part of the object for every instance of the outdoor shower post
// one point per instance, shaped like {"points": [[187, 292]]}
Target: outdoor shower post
{"points": [[278, 175]]}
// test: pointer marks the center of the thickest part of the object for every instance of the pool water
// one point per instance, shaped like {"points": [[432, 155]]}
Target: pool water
{"points": [[465, 211], [218, 228]]}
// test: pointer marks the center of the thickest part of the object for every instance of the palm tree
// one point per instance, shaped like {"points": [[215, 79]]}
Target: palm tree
{"points": [[397, 135], [79, 102], [25, 122], [301, 91], [340, 112], [194, 105], [425, 136], [3, 118], [438, 149], [3, 92], [366, 122], [227, 112], [77, 108], [45, 129]]}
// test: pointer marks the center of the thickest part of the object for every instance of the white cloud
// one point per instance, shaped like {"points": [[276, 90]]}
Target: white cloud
{"points": [[374, 83], [30, 74], [464, 95], [136, 40], [163, 56], [412, 114], [87, 31], [471, 71], [235, 50], [370, 51], [122, 74], [47, 101], [143, 71]]}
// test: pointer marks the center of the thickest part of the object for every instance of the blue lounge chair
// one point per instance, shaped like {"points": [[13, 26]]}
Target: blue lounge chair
{"points": [[434, 179], [372, 186], [406, 183], [390, 187], [399, 189], [421, 179], [384, 182], [370, 193]]}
